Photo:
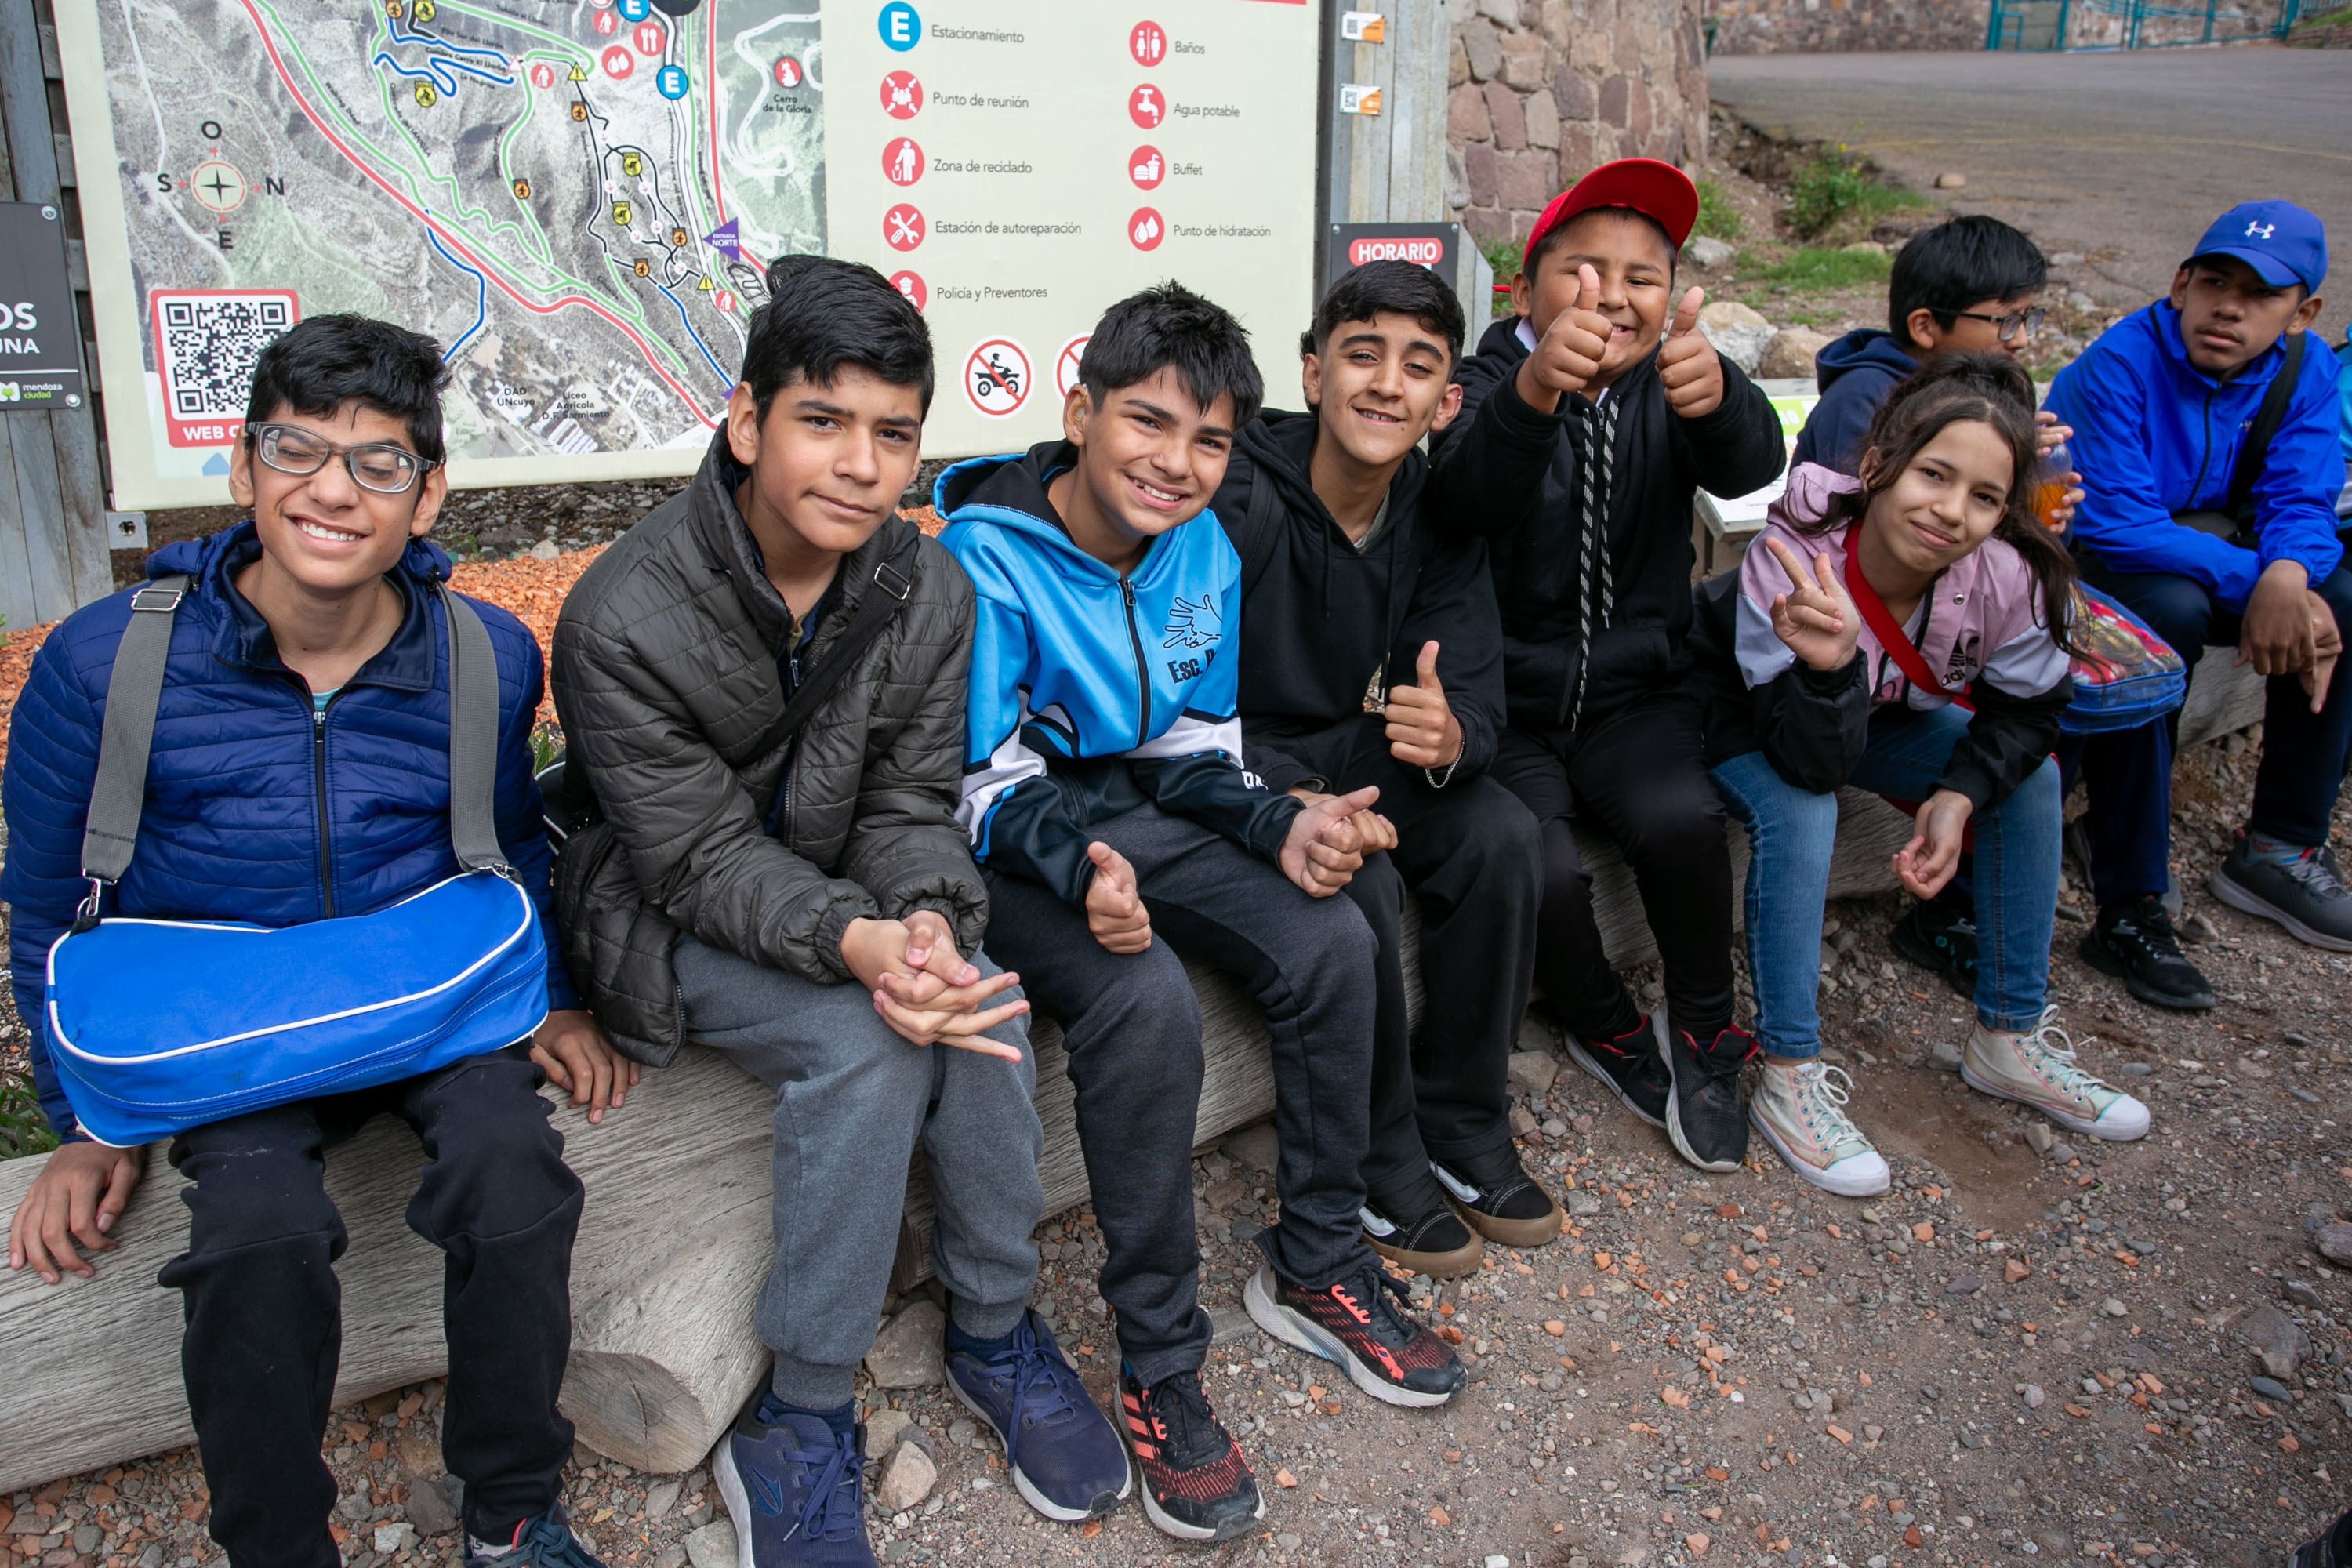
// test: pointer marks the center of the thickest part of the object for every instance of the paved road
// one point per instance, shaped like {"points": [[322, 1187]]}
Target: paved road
{"points": [[2126, 157]]}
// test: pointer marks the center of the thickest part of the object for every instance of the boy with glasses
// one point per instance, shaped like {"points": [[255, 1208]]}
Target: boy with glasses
{"points": [[301, 772]]}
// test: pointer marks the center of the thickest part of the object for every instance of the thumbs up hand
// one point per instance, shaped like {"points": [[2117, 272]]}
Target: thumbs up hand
{"points": [[1687, 366], [1423, 731], [1570, 353]]}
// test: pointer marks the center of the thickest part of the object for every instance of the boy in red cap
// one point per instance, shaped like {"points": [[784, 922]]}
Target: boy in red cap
{"points": [[1589, 418]]}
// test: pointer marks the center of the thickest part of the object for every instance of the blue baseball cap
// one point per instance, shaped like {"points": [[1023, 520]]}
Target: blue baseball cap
{"points": [[2282, 243]]}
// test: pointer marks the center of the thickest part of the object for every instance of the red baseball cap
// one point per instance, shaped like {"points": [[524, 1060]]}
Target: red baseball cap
{"points": [[1657, 190]]}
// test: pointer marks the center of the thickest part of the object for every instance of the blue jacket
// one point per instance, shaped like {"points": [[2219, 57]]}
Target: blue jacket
{"points": [[2155, 435], [1093, 694], [255, 811], [1854, 375]]}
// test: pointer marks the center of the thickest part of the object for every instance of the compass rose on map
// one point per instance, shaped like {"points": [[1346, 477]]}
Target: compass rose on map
{"points": [[219, 188]]}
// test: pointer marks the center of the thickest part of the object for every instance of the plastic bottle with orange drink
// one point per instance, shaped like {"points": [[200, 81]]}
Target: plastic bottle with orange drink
{"points": [[2050, 485]]}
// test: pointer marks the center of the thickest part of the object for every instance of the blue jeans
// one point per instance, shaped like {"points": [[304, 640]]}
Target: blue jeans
{"points": [[1791, 833]]}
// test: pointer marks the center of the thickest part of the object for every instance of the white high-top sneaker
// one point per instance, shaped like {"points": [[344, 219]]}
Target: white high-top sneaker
{"points": [[1800, 1107], [2038, 1069]]}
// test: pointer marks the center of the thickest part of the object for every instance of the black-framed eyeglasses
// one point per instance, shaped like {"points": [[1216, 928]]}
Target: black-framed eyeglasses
{"points": [[375, 465], [2007, 325]]}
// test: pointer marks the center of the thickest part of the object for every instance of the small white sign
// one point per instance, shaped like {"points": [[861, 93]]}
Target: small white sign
{"points": [[1357, 98], [1363, 26]]}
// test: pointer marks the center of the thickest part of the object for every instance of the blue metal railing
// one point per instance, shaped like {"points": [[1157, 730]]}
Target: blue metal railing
{"points": [[2031, 25]]}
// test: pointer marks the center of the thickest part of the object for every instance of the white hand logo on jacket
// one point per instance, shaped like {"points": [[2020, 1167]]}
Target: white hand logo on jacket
{"points": [[1194, 625]]}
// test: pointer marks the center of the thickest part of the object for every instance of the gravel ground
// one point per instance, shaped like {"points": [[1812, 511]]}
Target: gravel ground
{"points": [[2025, 1350]]}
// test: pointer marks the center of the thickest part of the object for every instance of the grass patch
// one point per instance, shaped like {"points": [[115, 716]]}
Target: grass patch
{"points": [[1717, 218], [1812, 270], [1835, 189], [2326, 19], [23, 1129]]}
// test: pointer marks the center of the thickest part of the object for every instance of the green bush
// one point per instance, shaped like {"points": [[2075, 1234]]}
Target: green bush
{"points": [[1717, 218], [1809, 270], [1824, 190], [23, 1129]]}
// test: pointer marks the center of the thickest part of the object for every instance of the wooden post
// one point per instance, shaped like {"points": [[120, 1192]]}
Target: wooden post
{"points": [[53, 540], [1388, 167]]}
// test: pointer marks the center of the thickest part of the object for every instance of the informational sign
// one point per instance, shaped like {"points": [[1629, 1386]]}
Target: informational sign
{"points": [[1436, 245], [40, 337], [579, 200]]}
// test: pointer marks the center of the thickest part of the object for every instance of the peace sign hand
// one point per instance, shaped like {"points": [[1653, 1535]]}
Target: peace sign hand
{"points": [[1814, 618]]}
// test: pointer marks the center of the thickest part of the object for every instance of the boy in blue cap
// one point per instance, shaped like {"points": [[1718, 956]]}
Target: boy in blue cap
{"points": [[2161, 407]]}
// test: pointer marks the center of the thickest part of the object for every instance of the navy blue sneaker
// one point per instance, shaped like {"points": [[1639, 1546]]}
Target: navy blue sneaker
{"points": [[791, 1488], [1064, 1455], [544, 1541]]}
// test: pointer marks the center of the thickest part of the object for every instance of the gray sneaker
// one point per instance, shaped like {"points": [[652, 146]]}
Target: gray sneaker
{"points": [[2304, 892]]}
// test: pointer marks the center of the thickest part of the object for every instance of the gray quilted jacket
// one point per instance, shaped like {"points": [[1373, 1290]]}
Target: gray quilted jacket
{"points": [[665, 681]]}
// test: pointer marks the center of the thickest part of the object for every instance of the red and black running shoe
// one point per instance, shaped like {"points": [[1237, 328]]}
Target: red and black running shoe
{"points": [[1196, 1485], [1386, 1354], [1631, 1067]]}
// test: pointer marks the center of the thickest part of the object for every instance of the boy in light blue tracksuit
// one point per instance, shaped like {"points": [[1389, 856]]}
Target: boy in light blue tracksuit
{"points": [[2161, 407], [1107, 803]]}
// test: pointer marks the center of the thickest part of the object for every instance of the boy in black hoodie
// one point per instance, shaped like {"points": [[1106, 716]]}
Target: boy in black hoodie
{"points": [[1372, 655], [1588, 424]]}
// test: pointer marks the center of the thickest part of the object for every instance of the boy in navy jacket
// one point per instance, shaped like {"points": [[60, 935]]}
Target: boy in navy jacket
{"points": [[301, 772], [2160, 407], [1107, 803]]}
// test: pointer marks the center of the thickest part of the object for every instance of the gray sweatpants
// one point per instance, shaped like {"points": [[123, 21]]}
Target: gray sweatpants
{"points": [[852, 1097]]}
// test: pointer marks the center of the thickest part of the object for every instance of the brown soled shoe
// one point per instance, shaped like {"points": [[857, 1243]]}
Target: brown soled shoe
{"points": [[1419, 1230], [1496, 1198]]}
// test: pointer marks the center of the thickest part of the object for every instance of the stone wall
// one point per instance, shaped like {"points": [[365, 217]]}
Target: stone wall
{"points": [[1541, 90], [1829, 27]]}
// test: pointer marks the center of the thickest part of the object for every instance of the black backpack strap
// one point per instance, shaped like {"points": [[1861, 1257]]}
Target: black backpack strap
{"points": [[1261, 529], [134, 687], [2256, 451], [893, 585]]}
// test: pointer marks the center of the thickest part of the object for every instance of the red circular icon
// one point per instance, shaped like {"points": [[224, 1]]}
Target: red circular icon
{"points": [[1146, 107], [618, 62], [543, 76], [996, 377], [902, 161], [788, 71], [1066, 363], [606, 24], [650, 38], [1146, 229], [911, 284], [725, 300], [902, 95], [902, 226], [1148, 43], [1146, 167]]}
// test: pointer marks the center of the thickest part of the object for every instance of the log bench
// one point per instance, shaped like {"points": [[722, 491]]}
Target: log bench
{"points": [[674, 1239]]}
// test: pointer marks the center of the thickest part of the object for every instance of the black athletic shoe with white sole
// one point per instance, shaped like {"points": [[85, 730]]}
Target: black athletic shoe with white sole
{"points": [[1704, 1116], [1196, 1485], [1631, 1067], [2300, 889], [2136, 944], [1388, 1354]]}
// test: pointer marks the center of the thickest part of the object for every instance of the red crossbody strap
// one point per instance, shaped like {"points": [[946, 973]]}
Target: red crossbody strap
{"points": [[1875, 615]]}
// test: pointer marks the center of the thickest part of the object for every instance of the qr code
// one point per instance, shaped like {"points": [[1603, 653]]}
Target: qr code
{"points": [[206, 345]]}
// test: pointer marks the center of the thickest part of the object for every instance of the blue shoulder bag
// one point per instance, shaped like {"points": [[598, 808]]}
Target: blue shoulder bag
{"points": [[158, 1026]]}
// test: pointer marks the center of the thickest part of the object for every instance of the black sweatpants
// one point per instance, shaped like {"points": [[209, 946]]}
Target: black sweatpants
{"points": [[1636, 774], [1133, 1029], [264, 1307], [1472, 856]]}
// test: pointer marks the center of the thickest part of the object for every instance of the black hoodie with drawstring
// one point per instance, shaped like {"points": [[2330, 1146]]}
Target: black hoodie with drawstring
{"points": [[1325, 626]]}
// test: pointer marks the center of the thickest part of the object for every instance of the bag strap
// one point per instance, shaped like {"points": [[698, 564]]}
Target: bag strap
{"points": [[1261, 529], [134, 687], [1899, 648], [2267, 419], [893, 585]]}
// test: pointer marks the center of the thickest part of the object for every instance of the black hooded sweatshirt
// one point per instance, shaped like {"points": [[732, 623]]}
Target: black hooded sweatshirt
{"points": [[1518, 477], [1323, 623]]}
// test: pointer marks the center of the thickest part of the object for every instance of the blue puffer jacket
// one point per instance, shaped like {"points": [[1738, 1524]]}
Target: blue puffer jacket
{"points": [[256, 812]]}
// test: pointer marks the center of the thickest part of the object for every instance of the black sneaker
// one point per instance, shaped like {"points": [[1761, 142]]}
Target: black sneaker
{"points": [[1419, 1230], [2301, 889], [1495, 1197], [1631, 1067], [2134, 942], [1937, 936], [1196, 1485], [2331, 1549], [1703, 1112], [1387, 1353], [544, 1541]]}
